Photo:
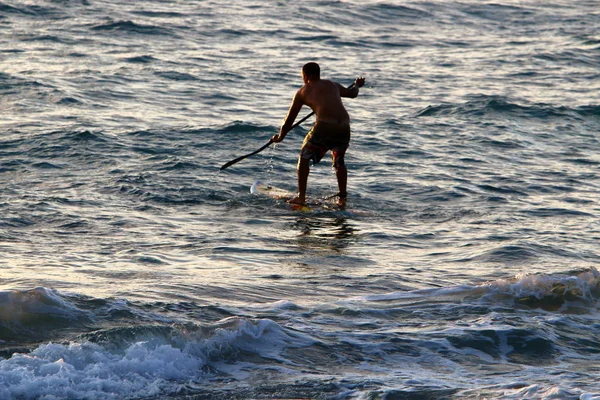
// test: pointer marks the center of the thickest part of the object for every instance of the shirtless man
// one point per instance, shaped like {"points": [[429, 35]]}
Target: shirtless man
{"points": [[331, 131]]}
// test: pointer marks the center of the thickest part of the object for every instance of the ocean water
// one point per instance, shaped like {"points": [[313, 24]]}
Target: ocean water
{"points": [[464, 267]]}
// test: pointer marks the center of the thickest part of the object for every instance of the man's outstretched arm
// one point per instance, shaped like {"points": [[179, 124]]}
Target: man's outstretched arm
{"points": [[352, 91]]}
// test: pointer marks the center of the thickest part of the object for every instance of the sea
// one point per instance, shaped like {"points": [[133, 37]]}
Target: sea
{"points": [[464, 266]]}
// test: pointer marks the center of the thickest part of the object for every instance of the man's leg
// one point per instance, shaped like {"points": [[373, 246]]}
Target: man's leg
{"points": [[303, 171], [341, 173]]}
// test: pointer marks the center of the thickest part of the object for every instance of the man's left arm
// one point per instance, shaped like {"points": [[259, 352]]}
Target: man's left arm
{"points": [[352, 91]]}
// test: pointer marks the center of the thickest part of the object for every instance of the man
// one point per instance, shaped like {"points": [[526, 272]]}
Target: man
{"points": [[331, 131]]}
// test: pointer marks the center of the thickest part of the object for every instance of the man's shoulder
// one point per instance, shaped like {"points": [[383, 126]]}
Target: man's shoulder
{"points": [[300, 93], [327, 82]]}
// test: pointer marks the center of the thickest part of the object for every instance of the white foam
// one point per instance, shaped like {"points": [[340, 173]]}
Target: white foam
{"points": [[144, 368], [276, 306], [264, 337], [57, 371], [539, 392], [590, 396], [581, 286], [417, 294]]}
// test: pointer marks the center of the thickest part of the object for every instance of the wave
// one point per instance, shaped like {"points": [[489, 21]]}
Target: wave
{"points": [[147, 59], [176, 76], [158, 14], [49, 38], [582, 57], [386, 12], [481, 106], [579, 290], [15, 82], [55, 147], [522, 346], [33, 10], [134, 362], [136, 350], [560, 292], [28, 316], [588, 111], [132, 27], [242, 128], [498, 12]]}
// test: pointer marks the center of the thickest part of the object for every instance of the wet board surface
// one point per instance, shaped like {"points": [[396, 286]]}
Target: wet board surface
{"points": [[264, 189]]}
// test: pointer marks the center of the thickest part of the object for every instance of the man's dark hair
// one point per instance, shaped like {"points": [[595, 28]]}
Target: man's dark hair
{"points": [[312, 69]]}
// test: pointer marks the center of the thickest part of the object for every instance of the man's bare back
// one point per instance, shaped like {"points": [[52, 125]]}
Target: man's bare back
{"points": [[324, 97]]}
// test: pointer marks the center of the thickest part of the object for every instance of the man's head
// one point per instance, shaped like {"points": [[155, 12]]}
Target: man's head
{"points": [[311, 71]]}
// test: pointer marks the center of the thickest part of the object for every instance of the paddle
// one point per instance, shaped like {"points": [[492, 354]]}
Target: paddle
{"points": [[230, 163]]}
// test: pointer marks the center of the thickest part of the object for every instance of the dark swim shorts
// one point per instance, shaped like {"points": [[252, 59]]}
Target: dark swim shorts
{"points": [[326, 136]]}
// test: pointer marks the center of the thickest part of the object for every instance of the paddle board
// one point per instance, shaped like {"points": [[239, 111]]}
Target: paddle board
{"points": [[263, 189]]}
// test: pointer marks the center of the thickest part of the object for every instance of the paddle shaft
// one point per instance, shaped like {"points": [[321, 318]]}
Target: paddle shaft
{"points": [[230, 163]]}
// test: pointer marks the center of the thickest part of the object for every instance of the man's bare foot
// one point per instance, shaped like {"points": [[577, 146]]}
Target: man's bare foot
{"points": [[341, 201], [300, 200]]}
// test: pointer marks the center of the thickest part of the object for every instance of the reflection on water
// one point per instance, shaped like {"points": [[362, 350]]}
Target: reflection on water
{"points": [[326, 234]]}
